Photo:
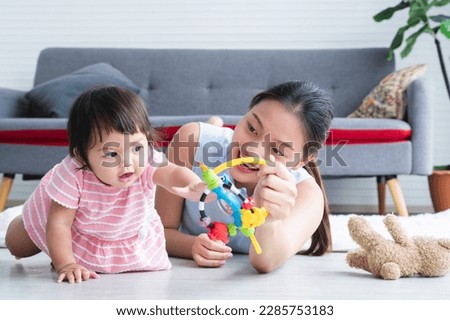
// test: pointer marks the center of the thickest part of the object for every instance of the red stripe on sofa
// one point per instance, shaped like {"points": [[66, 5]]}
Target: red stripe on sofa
{"points": [[58, 137], [364, 136], [38, 137]]}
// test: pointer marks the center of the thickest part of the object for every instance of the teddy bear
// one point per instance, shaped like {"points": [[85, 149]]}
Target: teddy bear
{"points": [[403, 257]]}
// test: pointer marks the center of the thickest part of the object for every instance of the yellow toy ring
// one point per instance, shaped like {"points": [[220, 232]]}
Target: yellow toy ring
{"points": [[238, 161]]}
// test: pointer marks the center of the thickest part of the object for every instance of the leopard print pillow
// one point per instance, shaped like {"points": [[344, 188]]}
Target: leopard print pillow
{"points": [[388, 98]]}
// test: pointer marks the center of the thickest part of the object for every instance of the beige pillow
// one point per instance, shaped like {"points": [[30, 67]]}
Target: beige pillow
{"points": [[388, 98]]}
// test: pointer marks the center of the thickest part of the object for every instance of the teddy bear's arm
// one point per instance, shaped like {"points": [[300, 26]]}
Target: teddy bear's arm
{"points": [[358, 259], [396, 231]]}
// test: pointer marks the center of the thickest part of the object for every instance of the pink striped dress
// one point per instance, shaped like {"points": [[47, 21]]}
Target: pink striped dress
{"points": [[114, 230]]}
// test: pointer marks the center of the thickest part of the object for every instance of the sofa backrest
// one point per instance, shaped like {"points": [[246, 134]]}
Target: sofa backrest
{"points": [[220, 81]]}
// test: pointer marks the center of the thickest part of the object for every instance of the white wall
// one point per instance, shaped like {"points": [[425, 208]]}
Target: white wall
{"points": [[27, 26]]}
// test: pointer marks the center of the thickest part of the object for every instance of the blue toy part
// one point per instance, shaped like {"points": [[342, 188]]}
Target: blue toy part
{"points": [[233, 201]]}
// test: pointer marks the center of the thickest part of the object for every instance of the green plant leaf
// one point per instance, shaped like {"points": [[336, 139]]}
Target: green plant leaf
{"points": [[418, 11], [417, 15], [440, 3], [439, 18], [390, 55], [398, 38], [442, 167], [423, 3], [445, 28], [411, 40], [387, 13], [413, 21]]}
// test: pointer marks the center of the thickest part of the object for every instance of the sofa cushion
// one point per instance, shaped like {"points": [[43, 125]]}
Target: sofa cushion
{"points": [[388, 98], [54, 98]]}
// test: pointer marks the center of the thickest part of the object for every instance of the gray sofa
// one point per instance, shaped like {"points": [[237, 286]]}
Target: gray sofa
{"points": [[181, 85]]}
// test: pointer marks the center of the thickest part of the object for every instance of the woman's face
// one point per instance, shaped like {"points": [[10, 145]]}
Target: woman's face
{"points": [[119, 159], [267, 129]]}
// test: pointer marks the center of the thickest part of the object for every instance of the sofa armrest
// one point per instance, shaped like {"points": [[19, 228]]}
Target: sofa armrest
{"points": [[420, 117], [12, 103]]}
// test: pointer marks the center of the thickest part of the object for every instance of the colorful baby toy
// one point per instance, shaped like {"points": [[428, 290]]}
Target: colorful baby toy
{"points": [[246, 217]]}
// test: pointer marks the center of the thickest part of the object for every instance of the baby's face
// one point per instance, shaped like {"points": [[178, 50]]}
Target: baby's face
{"points": [[119, 159]]}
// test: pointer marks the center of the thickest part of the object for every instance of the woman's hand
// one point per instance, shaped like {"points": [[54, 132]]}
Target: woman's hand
{"points": [[276, 190], [73, 272], [210, 253]]}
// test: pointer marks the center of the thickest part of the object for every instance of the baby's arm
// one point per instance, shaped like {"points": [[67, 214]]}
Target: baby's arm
{"points": [[180, 181], [181, 175], [59, 241]]}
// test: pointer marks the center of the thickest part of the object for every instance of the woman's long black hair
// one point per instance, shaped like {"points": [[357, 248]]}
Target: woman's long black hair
{"points": [[314, 111]]}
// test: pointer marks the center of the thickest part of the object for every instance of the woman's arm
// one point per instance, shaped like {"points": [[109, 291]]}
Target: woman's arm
{"points": [[295, 212], [59, 241], [204, 251]]}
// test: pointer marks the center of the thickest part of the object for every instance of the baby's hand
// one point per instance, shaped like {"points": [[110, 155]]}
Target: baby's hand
{"points": [[210, 253], [75, 273], [193, 191]]}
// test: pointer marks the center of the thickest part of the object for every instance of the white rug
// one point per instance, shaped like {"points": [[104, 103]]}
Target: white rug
{"points": [[426, 224]]}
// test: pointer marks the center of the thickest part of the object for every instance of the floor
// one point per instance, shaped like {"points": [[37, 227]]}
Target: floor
{"points": [[311, 278]]}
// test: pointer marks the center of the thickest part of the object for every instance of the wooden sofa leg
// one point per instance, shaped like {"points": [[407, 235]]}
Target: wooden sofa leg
{"points": [[5, 188], [397, 195], [381, 188]]}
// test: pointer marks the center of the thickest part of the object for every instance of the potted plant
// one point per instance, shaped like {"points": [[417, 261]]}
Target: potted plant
{"points": [[420, 22]]}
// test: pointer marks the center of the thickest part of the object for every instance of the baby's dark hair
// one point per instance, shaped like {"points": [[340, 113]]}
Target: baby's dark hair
{"points": [[314, 111], [105, 109]]}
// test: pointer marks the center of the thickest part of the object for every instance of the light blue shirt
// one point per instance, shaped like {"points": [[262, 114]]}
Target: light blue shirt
{"points": [[213, 150]]}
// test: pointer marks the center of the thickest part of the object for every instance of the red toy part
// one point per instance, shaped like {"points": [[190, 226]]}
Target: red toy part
{"points": [[218, 231], [249, 204]]}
